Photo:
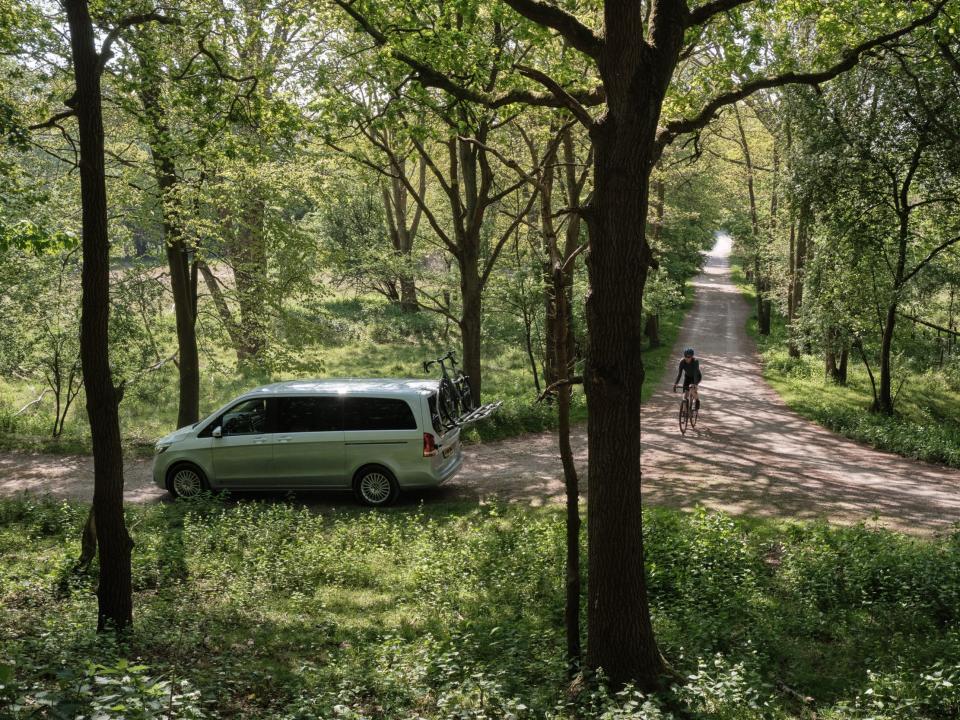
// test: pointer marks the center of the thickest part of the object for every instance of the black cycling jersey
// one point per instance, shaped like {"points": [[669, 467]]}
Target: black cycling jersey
{"points": [[691, 373]]}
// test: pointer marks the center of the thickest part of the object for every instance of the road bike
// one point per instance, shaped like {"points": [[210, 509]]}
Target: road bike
{"points": [[455, 396], [688, 409]]}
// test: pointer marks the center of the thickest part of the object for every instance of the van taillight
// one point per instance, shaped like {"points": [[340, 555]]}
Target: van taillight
{"points": [[429, 445]]}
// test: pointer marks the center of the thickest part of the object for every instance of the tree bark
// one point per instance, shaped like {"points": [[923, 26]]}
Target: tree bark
{"points": [[798, 259], [760, 283], [620, 633], [563, 361], [471, 322], [652, 331], [114, 592], [402, 227], [885, 397], [178, 262], [248, 255]]}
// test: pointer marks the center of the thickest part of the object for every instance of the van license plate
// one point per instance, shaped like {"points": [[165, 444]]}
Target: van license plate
{"points": [[448, 451]]}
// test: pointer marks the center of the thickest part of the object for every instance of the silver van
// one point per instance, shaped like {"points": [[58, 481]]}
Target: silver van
{"points": [[376, 436]]}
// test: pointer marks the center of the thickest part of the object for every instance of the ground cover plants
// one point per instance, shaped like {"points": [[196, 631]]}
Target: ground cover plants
{"points": [[273, 610]]}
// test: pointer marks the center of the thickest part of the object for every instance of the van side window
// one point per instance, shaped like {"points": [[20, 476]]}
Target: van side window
{"points": [[246, 418], [367, 413], [309, 414]]}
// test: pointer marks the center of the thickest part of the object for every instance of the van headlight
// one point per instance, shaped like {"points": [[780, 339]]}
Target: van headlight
{"points": [[160, 448]]}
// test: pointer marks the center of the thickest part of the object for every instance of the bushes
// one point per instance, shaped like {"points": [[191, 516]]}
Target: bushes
{"points": [[270, 610]]}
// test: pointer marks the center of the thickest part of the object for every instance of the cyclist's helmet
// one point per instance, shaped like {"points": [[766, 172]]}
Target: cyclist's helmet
{"points": [[688, 352]]}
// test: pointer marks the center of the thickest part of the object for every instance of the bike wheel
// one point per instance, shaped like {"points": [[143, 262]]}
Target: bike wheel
{"points": [[694, 414], [465, 393], [447, 403], [684, 417]]}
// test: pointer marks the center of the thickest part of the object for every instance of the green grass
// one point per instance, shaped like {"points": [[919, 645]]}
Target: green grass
{"points": [[270, 610], [360, 337], [926, 425]]}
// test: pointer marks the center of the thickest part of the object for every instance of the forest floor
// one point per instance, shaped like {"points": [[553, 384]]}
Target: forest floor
{"points": [[749, 455]]}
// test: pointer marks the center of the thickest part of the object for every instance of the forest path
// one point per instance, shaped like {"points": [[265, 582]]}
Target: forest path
{"points": [[748, 455]]}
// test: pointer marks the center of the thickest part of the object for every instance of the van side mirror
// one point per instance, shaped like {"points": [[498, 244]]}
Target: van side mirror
{"points": [[217, 432]]}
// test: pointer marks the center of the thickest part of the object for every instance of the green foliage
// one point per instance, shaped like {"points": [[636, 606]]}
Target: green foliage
{"points": [[924, 427], [448, 611]]}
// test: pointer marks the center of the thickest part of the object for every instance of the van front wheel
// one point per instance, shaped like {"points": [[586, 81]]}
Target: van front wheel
{"points": [[375, 486], [185, 481]]}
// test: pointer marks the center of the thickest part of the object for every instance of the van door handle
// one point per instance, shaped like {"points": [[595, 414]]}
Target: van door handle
{"points": [[285, 439], [261, 441]]}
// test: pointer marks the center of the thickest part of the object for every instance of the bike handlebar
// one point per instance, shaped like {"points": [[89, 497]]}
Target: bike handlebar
{"points": [[427, 364]]}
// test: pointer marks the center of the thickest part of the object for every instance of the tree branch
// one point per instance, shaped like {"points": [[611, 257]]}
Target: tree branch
{"points": [[52, 121], [567, 100], [573, 31], [850, 58], [553, 387], [429, 76], [702, 14], [930, 256], [106, 51]]}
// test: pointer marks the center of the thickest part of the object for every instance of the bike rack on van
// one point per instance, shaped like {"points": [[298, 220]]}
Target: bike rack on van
{"points": [[453, 380], [481, 413]]}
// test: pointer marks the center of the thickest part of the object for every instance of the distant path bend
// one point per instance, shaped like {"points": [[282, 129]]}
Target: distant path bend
{"points": [[749, 454]]}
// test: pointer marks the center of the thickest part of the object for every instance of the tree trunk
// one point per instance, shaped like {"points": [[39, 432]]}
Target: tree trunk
{"points": [[652, 331], [830, 368], [561, 320], [885, 398], [181, 284], [842, 368], [403, 228], [408, 294], [114, 592], [620, 639], [552, 371], [470, 324], [248, 254]]}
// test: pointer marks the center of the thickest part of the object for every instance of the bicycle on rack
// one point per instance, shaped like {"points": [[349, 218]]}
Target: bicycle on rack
{"points": [[455, 396], [688, 409]]}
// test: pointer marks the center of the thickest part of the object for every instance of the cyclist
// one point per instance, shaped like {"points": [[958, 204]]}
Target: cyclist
{"points": [[690, 369]]}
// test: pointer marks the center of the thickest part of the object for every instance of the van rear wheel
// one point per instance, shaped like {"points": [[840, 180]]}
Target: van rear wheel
{"points": [[375, 486]]}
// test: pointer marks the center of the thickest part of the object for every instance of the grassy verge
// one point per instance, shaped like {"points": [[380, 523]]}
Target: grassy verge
{"points": [[268, 610], [926, 425], [352, 337]]}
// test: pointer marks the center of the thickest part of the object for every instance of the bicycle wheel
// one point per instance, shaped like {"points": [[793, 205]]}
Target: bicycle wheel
{"points": [[447, 403], [684, 416], [694, 414], [465, 392]]}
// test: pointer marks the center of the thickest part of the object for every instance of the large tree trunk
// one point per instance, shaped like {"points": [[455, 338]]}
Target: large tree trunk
{"points": [[114, 592], [182, 279], [621, 639]]}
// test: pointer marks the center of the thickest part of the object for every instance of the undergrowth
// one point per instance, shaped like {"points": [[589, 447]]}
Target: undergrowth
{"points": [[270, 610]]}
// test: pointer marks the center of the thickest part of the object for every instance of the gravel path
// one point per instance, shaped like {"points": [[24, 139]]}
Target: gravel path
{"points": [[748, 455]]}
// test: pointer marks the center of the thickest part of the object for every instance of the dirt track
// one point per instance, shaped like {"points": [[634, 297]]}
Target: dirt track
{"points": [[748, 455]]}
